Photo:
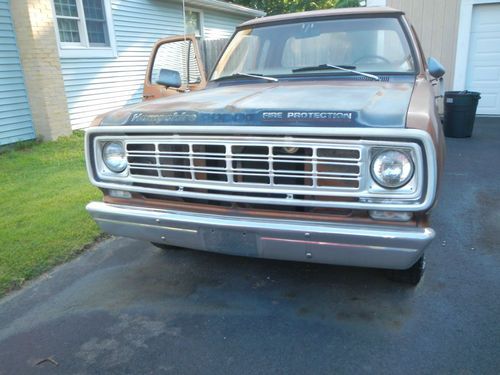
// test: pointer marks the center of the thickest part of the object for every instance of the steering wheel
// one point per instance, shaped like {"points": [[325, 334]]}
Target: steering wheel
{"points": [[366, 57]]}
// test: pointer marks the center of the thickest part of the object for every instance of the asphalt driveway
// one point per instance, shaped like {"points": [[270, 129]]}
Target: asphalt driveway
{"points": [[127, 307]]}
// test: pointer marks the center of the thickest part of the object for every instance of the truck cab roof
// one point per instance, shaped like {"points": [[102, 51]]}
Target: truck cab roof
{"points": [[293, 17]]}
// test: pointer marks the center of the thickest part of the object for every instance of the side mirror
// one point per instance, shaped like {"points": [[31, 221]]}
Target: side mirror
{"points": [[169, 78], [436, 69]]}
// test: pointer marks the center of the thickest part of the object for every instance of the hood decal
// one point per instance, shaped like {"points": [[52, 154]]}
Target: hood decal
{"points": [[181, 117], [265, 117], [339, 116]]}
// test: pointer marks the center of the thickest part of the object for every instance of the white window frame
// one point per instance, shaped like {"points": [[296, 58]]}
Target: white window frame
{"points": [[84, 49], [202, 21]]}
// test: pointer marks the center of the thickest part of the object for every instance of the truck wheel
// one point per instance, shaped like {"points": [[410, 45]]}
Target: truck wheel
{"points": [[411, 276]]}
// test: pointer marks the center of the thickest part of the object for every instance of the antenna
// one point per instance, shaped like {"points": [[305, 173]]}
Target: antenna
{"points": [[185, 62], [184, 18]]}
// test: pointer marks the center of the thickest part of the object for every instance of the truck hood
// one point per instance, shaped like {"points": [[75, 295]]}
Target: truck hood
{"points": [[339, 102]]}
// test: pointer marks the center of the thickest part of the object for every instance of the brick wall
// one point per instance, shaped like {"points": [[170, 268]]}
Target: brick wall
{"points": [[37, 43]]}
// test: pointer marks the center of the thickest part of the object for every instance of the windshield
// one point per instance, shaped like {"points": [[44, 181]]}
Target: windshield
{"points": [[365, 44]]}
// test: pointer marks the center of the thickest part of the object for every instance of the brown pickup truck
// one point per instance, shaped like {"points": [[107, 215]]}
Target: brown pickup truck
{"points": [[316, 138]]}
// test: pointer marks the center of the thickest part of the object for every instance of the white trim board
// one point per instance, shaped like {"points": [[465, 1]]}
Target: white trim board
{"points": [[463, 41], [225, 7]]}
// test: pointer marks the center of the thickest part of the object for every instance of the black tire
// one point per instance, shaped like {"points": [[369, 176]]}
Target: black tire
{"points": [[165, 246], [411, 276]]}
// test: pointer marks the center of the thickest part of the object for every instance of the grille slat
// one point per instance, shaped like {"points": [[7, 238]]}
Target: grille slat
{"points": [[323, 176]]}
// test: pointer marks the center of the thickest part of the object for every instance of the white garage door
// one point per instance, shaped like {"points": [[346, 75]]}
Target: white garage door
{"points": [[483, 69]]}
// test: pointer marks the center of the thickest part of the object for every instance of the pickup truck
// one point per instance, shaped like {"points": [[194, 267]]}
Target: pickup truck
{"points": [[316, 138]]}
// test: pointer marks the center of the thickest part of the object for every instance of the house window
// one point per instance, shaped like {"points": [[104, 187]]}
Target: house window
{"points": [[67, 21], [194, 24], [95, 20], [82, 24]]}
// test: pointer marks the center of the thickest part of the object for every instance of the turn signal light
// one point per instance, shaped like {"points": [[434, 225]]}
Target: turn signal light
{"points": [[391, 215]]}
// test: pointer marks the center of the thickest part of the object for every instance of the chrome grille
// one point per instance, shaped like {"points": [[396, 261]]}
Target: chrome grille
{"points": [[276, 164], [336, 185]]}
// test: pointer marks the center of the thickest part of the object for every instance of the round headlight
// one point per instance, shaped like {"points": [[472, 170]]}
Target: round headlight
{"points": [[392, 169], [113, 155]]}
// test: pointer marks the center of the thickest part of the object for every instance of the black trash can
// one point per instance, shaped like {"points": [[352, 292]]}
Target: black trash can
{"points": [[459, 113]]}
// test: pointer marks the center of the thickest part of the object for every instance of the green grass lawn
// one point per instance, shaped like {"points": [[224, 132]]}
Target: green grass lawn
{"points": [[43, 222]]}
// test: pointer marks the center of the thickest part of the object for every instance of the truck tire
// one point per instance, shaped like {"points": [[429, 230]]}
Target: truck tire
{"points": [[165, 246], [411, 276]]}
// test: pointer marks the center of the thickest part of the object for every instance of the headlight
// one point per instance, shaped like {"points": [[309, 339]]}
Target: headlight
{"points": [[392, 169], [113, 155]]}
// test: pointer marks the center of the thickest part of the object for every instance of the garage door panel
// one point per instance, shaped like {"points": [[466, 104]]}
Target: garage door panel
{"points": [[488, 18], [487, 44], [483, 60], [483, 68], [489, 101], [485, 74]]}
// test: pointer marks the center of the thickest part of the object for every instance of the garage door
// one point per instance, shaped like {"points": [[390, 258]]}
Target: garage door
{"points": [[483, 70]]}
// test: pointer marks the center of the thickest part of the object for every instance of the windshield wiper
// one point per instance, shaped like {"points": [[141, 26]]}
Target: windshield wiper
{"points": [[236, 75], [344, 68]]}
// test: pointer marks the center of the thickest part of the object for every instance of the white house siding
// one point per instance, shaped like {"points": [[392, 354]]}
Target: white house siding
{"points": [[15, 114], [94, 86], [219, 26]]}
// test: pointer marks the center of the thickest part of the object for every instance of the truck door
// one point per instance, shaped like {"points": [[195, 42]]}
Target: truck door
{"points": [[175, 67]]}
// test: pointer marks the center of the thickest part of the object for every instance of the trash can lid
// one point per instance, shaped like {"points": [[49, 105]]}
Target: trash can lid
{"points": [[462, 93]]}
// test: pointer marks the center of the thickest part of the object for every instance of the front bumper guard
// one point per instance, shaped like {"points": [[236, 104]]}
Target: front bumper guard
{"points": [[317, 242]]}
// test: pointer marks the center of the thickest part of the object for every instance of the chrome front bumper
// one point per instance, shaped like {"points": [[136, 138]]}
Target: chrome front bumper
{"points": [[318, 242]]}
